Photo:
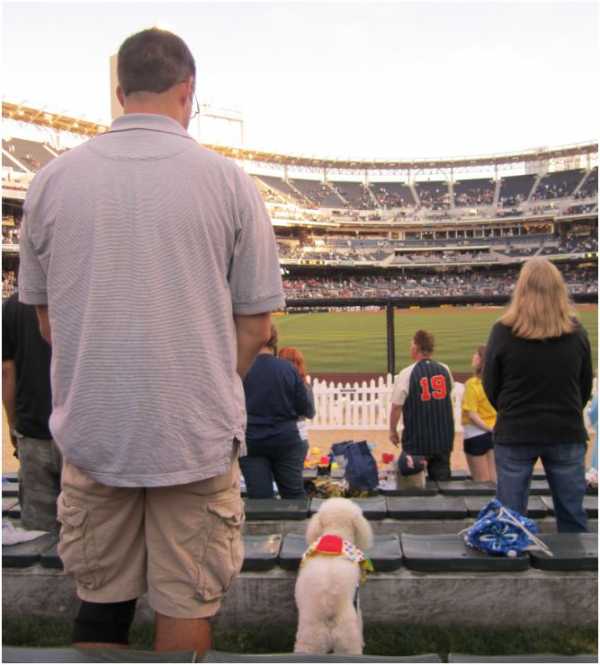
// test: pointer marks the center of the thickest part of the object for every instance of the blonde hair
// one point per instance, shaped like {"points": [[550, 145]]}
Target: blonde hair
{"points": [[540, 307]]}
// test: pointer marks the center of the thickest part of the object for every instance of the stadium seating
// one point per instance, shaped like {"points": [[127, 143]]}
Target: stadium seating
{"points": [[49, 655], [570, 552], [414, 536], [271, 195], [32, 154], [24, 555], [522, 658], [276, 509], [356, 195], [392, 194], [281, 187], [373, 508], [222, 657], [448, 553], [434, 195], [559, 184], [430, 489], [536, 507], [474, 193], [589, 187], [317, 193], [385, 554], [581, 209], [427, 508], [466, 488], [53, 655], [590, 504], [11, 507], [10, 489], [515, 189], [261, 552]]}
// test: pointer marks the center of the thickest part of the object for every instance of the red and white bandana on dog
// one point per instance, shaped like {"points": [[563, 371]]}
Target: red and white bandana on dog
{"points": [[329, 545]]}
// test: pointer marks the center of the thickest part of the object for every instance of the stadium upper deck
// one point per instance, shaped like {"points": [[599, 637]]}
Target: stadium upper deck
{"points": [[429, 204]]}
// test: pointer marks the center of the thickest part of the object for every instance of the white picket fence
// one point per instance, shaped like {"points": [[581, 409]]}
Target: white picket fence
{"points": [[363, 405]]}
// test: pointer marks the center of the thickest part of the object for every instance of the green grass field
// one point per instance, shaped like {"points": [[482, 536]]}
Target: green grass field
{"points": [[380, 640], [356, 341]]}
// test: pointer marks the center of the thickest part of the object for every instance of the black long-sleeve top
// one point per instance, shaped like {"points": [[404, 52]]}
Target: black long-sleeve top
{"points": [[538, 387]]}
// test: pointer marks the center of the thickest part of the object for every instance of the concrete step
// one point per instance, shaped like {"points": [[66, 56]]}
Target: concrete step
{"points": [[448, 553], [530, 597], [224, 657], [421, 526], [385, 553], [522, 658], [571, 551], [48, 655]]}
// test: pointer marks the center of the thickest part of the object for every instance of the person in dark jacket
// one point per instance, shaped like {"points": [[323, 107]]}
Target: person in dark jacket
{"points": [[276, 397], [538, 376]]}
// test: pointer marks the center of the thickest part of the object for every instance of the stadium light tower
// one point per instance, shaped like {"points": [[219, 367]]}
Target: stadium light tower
{"points": [[228, 116], [116, 109]]}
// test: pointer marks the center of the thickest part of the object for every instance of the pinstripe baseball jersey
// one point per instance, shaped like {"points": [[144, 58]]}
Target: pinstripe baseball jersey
{"points": [[424, 390]]}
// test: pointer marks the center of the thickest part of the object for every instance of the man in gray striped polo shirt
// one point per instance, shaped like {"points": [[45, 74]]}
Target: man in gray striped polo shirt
{"points": [[153, 265]]}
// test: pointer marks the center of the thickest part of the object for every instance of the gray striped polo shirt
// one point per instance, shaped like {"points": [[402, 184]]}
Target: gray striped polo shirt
{"points": [[144, 245]]}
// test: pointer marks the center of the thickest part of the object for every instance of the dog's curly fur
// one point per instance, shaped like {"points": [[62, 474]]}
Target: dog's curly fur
{"points": [[326, 585]]}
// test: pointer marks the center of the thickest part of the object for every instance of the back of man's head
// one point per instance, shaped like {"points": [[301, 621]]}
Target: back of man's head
{"points": [[153, 60], [424, 342]]}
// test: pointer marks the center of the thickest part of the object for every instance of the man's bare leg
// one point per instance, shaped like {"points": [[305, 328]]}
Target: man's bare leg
{"points": [[182, 634]]}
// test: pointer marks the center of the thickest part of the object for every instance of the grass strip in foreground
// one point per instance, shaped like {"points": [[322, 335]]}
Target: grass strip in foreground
{"points": [[400, 640]]}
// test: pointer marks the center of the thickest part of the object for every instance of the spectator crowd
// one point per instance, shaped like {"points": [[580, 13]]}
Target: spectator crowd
{"points": [[465, 284]]}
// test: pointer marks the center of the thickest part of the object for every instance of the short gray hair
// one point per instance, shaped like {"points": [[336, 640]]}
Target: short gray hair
{"points": [[153, 61]]}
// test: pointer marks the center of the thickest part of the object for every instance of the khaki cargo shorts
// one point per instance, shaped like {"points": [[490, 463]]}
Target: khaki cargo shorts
{"points": [[182, 544]]}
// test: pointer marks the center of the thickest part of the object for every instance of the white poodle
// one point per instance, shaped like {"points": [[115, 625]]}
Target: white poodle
{"points": [[327, 584]]}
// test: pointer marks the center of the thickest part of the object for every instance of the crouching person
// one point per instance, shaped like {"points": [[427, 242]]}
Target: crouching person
{"points": [[153, 266]]}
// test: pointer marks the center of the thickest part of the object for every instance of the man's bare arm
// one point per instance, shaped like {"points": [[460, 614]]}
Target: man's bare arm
{"points": [[252, 333], [395, 416], [44, 322]]}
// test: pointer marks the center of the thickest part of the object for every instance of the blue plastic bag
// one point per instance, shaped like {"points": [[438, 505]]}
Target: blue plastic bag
{"points": [[361, 468], [503, 532]]}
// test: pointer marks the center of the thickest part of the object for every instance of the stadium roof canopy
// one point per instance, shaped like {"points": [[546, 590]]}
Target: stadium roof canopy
{"points": [[88, 128]]}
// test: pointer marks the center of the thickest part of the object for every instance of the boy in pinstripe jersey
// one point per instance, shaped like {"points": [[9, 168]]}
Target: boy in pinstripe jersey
{"points": [[422, 399]]}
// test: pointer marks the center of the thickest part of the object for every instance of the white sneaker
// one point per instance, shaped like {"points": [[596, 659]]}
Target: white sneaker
{"points": [[11, 535]]}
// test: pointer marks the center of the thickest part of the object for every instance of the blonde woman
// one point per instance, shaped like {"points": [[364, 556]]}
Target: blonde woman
{"points": [[479, 418], [538, 376]]}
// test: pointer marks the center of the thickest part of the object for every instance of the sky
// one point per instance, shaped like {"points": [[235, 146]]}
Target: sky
{"points": [[385, 80]]}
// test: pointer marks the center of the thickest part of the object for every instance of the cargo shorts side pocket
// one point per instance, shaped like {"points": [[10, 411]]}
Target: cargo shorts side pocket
{"points": [[77, 547], [223, 551]]}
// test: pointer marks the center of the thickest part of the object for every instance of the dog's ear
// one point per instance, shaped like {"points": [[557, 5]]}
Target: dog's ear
{"points": [[363, 534], [314, 528]]}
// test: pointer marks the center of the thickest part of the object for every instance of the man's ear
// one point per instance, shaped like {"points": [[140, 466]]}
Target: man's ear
{"points": [[120, 96], [188, 88]]}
